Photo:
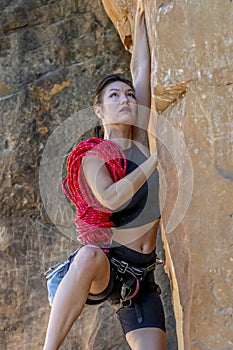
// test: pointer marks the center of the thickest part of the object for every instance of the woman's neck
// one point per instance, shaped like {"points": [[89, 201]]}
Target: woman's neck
{"points": [[121, 137]]}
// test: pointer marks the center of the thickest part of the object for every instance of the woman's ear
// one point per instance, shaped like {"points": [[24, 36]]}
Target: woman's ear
{"points": [[98, 111]]}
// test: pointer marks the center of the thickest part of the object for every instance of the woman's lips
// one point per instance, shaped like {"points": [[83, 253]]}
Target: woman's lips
{"points": [[125, 109]]}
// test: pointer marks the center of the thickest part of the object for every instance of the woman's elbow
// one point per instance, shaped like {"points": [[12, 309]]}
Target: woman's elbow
{"points": [[110, 204], [115, 196], [110, 201]]}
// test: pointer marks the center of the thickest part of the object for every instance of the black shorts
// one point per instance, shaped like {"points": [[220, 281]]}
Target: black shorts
{"points": [[145, 309]]}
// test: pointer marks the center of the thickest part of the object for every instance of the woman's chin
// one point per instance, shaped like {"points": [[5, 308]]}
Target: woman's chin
{"points": [[127, 119]]}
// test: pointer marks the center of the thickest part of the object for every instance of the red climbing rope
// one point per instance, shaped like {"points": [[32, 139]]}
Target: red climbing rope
{"points": [[92, 219]]}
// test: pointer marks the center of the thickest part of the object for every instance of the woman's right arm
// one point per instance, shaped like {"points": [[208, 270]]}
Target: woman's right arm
{"points": [[140, 67], [140, 64], [114, 194]]}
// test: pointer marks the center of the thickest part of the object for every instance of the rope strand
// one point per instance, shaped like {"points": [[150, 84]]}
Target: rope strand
{"points": [[92, 219]]}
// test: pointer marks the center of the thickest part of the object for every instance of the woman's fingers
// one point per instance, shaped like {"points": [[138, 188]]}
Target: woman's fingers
{"points": [[140, 11], [140, 6]]}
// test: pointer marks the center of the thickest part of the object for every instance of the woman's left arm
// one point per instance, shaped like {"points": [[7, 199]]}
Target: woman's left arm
{"points": [[141, 70]]}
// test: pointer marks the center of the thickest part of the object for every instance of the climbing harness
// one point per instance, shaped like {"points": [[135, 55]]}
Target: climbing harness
{"points": [[130, 286], [131, 278], [137, 272]]}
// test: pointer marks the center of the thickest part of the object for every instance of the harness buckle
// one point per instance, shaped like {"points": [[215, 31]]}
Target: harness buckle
{"points": [[123, 266], [159, 261], [151, 267]]}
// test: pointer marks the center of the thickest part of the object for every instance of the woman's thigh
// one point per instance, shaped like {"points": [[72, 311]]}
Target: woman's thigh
{"points": [[147, 338], [93, 263]]}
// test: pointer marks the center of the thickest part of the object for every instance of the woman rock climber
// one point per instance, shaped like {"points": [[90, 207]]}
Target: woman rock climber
{"points": [[117, 213]]}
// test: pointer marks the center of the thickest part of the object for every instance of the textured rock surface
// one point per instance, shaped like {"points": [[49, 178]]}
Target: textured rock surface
{"points": [[191, 47], [52, 53]]}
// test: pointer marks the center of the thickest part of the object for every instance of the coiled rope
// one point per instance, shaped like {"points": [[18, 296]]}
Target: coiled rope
{"points": [[92, 219]]}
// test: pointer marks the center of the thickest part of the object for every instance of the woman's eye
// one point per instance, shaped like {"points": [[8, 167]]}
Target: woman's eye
{"points": [[130, 94], [114, 94]]}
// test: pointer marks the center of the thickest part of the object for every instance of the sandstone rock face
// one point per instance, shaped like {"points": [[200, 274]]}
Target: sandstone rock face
{"points": [[52, 55], [192, 78]]}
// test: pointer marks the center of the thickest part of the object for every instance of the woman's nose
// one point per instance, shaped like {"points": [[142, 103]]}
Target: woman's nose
{"points": [[124, 98]]}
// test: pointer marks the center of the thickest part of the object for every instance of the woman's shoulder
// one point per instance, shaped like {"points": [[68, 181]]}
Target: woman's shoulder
{"points": [[108, 153]]}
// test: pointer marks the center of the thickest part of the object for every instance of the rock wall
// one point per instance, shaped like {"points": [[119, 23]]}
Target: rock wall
{"points": [[52, 54], [192, 80]]}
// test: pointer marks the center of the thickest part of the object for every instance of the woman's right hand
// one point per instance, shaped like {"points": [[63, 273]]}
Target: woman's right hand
{"points": [[140, 5]]}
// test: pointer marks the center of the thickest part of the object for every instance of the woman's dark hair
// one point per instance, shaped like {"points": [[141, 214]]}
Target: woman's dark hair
{"points": [[111, 78]]}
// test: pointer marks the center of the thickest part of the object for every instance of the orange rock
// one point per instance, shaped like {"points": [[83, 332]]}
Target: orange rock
{"points": [[191, 50]]}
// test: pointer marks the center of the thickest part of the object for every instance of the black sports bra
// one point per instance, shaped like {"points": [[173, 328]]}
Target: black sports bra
{"points": [[143, 207]]}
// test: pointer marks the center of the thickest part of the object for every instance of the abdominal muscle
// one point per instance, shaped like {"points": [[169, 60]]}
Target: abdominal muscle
{"points": [[141, 239]]}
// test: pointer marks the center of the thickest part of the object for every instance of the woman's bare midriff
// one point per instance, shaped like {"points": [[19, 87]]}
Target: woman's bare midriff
{"points": [[141, 239]]}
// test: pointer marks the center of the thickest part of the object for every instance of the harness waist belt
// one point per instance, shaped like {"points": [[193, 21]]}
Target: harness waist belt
{"points": [[137, 272]]}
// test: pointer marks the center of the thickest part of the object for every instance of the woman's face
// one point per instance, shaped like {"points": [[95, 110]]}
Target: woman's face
{"points": [[119, 105]]}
